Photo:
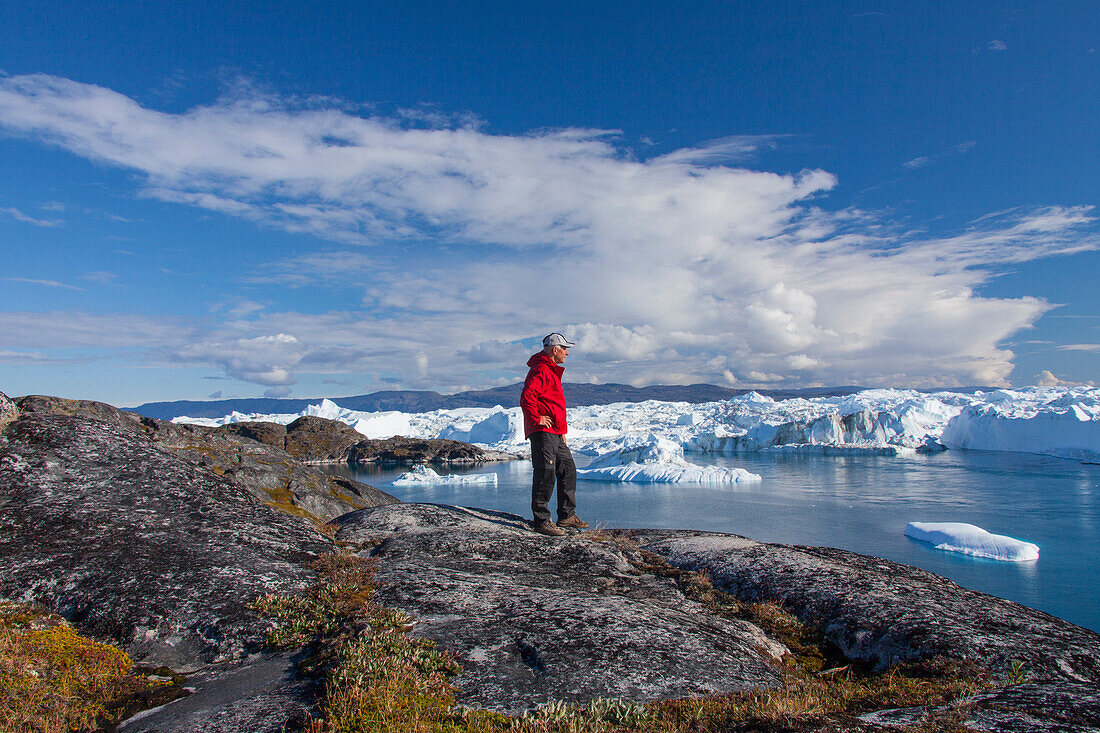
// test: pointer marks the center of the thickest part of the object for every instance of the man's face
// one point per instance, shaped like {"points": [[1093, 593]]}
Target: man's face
{"points": [[559, 353]]}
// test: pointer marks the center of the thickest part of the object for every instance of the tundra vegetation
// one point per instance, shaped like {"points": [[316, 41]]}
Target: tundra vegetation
{"points": [[52, 679]]}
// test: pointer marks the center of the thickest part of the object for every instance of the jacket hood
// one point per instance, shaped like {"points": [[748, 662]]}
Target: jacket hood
{"points": [[540, 357]]}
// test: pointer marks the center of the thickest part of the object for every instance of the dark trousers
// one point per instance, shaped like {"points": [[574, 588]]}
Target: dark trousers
{"points": [[552, 460]]}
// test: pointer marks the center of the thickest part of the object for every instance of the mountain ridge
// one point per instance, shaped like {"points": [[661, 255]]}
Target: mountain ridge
{"points": [[578, 394]]}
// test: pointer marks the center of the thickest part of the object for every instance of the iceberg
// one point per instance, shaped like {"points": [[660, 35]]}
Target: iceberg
{"points": [[424, 476], [1053, 422], [1057, 421], [969, 539], [659, 461]]}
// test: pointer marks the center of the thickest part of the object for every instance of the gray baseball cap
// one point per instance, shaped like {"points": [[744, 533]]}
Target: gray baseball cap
{"points": [[556, 339]]}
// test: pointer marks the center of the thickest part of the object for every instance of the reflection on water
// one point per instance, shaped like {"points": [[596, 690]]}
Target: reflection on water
{"points": [[859, 503]]}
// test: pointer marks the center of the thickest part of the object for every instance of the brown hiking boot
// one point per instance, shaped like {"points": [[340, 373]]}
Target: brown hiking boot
{"points": [[549, 529], [573, 521]]}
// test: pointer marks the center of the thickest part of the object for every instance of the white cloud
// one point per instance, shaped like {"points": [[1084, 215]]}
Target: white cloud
{"points": [[103, 277], [7, 356], [1079, 347], [268, 360], [79, 329], [925, 160], [18, 215], [681, 267], [996, 45], [1046, 378], [36, 281]]}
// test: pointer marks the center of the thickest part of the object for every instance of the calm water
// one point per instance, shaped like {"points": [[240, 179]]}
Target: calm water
{"points": [[859, 503]]}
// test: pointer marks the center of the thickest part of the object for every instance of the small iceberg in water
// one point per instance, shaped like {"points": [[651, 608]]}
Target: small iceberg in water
{"points": [[424, 476], [969, 539], [659, 461]]}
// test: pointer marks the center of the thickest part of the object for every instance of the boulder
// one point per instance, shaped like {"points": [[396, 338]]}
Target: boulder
{"points": [[883, 611], [534, 619]]}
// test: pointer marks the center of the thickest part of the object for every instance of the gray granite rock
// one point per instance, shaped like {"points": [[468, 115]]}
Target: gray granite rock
{"points": [[262, 694], [262, 468], [883, 611], [535, 618], [1034, 707], [136, 544]]}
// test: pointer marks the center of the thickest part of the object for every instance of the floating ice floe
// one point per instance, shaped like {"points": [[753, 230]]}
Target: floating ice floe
{"points": [[969, 539], [424, 476], [659, 461], [1057, 421]]}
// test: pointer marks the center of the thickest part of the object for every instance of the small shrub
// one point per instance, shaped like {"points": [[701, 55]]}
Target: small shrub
{"points": [[54, 679]]}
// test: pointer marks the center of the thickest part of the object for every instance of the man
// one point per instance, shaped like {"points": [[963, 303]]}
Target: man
{"points": [[543, 404]]}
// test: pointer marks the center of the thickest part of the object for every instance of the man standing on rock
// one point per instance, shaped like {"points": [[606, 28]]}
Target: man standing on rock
{"points": [[543, 404]]}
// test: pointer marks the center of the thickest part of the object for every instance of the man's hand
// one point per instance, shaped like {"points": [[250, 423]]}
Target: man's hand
{"points": [[546, 421]]}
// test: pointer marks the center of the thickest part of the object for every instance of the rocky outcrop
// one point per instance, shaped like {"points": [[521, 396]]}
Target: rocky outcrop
{"points": [[534, 620], [311, 439], [1032, 707], [422, 450], [137, 544], [262, 468], [883, 611]]}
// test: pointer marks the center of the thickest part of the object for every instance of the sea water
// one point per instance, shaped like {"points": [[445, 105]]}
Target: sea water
{"points": [[859, 503]]}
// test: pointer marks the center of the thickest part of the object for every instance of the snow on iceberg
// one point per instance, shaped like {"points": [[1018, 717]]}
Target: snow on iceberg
{"points": [[1055, 421], [659, 461], [424, 476], [972, 540]]}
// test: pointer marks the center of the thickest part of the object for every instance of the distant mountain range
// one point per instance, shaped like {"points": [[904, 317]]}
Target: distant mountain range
{"points": [[423, 401]]}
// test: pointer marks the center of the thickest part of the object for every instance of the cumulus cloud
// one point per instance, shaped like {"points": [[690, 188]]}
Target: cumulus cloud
{"points": [[467, 244], [268, 360], [1047, 378]]}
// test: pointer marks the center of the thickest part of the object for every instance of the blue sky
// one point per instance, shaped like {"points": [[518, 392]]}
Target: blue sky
{"points": [[335, 198]]}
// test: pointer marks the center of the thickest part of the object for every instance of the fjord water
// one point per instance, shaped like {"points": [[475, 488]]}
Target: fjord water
{"points": [[859, 503]]}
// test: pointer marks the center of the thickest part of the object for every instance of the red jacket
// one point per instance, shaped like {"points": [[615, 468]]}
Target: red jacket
{"points": [[542, 395]]}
